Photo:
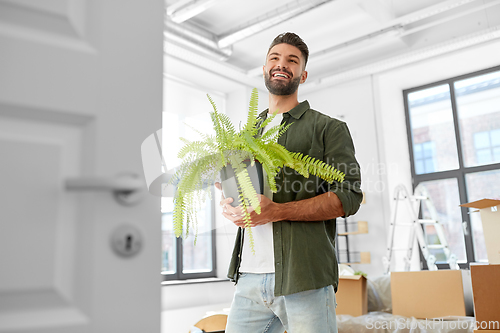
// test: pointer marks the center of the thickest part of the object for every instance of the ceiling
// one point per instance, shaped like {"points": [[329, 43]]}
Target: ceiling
{"points": [[221, 44]]}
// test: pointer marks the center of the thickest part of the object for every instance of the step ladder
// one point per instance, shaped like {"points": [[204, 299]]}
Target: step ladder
{"points": [[413, 204]]}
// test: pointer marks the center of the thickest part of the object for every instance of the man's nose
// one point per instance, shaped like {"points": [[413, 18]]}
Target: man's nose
{"points": [[282, 64]]}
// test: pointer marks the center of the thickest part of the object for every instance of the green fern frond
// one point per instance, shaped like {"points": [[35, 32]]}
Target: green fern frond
{"points": [[252, 113], [220, 132], [248, 231], [227, 125], [257, 151], [280, 154], [317, 168], [268, 120], [271, 172], [271, 134], [198, 148], [178, 215], [247, 219], [284, 128], [254, 101]]}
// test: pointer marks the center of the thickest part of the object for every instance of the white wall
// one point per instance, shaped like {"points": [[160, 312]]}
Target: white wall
{"points": [[352, 102]]}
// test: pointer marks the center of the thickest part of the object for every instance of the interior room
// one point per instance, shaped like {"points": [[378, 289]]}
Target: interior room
{"points": [[95, 96]]}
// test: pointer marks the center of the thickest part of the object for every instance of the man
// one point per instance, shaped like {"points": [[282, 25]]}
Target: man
{"points": [[291, 280]]}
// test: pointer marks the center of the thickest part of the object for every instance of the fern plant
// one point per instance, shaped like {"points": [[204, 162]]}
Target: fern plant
{"points": [[203, 160]]}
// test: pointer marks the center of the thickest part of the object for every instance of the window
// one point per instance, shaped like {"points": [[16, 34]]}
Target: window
{"points": [[182, 258], [186, 110], [454, 141], [424, 157], [487, 146]]}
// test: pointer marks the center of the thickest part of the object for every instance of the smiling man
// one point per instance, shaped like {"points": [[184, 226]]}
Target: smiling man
{"points": [[291, 280]]}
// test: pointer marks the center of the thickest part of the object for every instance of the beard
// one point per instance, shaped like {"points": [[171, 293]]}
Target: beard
{"points": [[281, 87]]}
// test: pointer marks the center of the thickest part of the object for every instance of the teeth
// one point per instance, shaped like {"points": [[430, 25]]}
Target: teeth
{"points": [[282, 75]]}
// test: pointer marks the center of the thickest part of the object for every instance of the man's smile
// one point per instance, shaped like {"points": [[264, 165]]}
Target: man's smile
{"points": [[280, 75]]}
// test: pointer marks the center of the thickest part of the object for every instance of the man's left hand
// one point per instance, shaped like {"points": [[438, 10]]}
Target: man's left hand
{"points": [[268, 213]]}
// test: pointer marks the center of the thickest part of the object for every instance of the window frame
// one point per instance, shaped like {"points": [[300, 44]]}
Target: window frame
{"points": [[460, 173]]}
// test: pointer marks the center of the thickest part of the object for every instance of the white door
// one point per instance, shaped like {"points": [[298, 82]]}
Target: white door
{"points": [[80, 89]]}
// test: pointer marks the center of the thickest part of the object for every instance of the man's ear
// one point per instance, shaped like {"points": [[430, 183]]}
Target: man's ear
{"points": [[264, 70], [303, 77]]}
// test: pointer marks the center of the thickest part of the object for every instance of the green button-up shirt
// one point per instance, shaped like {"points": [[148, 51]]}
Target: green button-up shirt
{"points": [[304, 252]]}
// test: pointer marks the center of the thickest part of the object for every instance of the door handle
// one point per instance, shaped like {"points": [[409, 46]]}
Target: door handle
{"points": [[127, 189]]}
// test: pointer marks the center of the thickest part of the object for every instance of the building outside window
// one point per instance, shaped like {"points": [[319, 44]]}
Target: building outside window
{"points": [[487, 146], [454, 141], [424, 157]]}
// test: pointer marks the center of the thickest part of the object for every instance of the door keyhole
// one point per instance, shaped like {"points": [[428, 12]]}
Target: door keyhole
{"points": [[126, 240], [128, 243]]}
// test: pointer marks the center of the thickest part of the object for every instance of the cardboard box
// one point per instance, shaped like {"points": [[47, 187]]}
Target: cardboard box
{"points": [[431, 294], [486, 291], [352, 297], [490, 218]]}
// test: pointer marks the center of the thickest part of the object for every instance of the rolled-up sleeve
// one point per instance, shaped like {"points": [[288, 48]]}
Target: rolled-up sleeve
{"points": [[339, 152]]}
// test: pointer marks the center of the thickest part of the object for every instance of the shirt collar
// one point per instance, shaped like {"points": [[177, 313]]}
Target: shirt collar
{"points": [[297, 111]]}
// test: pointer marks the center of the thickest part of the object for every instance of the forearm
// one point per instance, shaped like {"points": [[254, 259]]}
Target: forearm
{"points": [[326, 206]]}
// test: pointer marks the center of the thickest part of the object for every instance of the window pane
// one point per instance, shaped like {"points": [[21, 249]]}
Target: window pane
{"points": [[197, 257], [483, 156], [168, 253], [431, 121], [429, 165], [428, 149], [478, 106], [482, 140], [417, 152], [495, 138], [443, 206], [496, 155], [481, 185]]}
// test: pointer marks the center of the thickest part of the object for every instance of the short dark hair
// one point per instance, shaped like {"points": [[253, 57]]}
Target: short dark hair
{"points": [[294, 40]]}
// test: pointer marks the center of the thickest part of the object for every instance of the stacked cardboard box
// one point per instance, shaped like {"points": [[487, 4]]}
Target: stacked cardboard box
{"points": [[489, 210], [486, 278], [486, 288], [352, 297], [431, 294]]}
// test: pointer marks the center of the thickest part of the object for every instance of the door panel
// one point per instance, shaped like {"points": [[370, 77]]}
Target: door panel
{"points": [[80, 90], [39, 222]]}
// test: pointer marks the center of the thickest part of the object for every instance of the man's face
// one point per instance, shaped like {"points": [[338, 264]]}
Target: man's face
{"points": [[284, 69]]}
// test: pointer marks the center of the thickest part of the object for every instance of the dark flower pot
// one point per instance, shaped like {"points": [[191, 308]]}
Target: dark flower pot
{"points": [[230, 186]]}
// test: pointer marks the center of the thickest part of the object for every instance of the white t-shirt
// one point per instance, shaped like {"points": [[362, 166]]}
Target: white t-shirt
{"points": [[263, 259]]}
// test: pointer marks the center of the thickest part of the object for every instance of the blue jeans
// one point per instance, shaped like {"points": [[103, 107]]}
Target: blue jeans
{"points": [[255, 309]]}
